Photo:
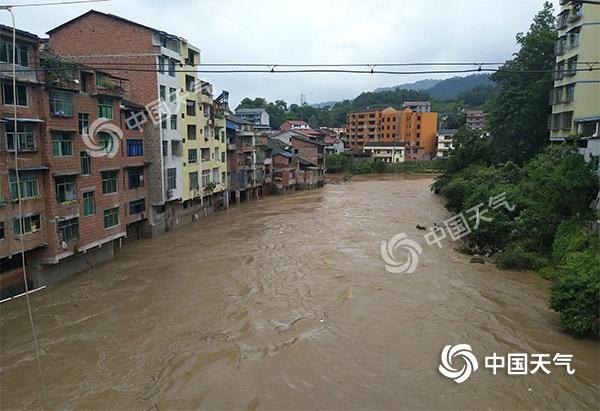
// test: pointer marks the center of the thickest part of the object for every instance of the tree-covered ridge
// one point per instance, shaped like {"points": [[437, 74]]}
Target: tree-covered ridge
{"points": [[335, 115]]}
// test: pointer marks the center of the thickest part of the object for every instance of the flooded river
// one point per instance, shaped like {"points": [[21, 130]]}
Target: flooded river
{"points": [[285, 303]]}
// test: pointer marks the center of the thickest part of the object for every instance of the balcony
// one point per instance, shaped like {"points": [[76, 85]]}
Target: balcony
{"points": [[231, 147], [247, 149]]}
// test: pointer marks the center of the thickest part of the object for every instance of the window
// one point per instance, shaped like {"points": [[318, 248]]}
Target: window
{"points": [[173, 121], [165, 148], [216, 174], [189, 83], [89, 204], [83, 81], [205, 154], [194, 181], [574, 38], [190, 107], [8, 95], [161, 64], [1, 230], [135, 148], [106, 143], [68, 230], [65, 188], [222, 157], [191, 132], [176, 148], [109, 182], [28, 186], [163, 93], [111, 217], [172, 95], [6, 53], [163, 121], [171, 178], [86, 163], [570, 93], [26, 225], [25, 136], [560, 70], [105, 107], [217, 153], [100, 80], [205, 178], [572, 66], [567, 120], [62, 144], [172, 68], [61, 103], [192, 155], [135, 177], [84, 123], [137, 206]]}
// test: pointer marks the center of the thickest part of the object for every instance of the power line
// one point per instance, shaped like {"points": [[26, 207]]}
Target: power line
{"points": [[342, 71]]}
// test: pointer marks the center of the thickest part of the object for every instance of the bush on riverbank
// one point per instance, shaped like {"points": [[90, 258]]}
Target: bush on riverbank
{"points": [[576, 268], [545, 232], [343, 163]]}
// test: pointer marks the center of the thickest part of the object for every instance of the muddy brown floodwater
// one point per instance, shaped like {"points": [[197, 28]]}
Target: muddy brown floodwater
{"points": [[285, 303]]}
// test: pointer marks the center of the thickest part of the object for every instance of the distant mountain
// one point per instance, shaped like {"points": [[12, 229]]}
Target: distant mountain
{"points": [[452, 87], [324, 104], [417, 85], [445, 89]]}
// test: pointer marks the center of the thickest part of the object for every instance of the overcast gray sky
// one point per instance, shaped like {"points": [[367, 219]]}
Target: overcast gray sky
{"points": [[316, 31]]}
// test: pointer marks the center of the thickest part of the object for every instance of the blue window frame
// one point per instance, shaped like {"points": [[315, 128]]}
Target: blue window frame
{"points": [[135, 148]]}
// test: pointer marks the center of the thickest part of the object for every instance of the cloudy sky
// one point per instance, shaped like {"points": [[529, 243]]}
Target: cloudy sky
{"points": [[316, 31]]}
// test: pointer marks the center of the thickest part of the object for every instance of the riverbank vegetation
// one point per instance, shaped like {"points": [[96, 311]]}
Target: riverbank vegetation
{"points": [[345, 163], [550, 186]]}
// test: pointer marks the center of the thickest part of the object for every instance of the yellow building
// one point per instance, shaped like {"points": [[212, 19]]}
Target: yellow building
{"points": [[575, 98], [202, 123]]}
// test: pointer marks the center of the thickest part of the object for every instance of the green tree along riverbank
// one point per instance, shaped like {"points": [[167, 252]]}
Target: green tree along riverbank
{"points": [[345, 163], [551, 186]]}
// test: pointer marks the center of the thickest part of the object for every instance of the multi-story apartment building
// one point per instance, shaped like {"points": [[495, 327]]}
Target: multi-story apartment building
{"points": [[257, 116], [76, 193], [249, 175], [173, 110], [417, 129], [418, 106], [445, 142], [387, 152], [575, 98], [476, 120]]}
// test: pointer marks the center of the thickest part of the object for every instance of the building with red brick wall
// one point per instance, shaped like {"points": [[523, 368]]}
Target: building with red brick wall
{"points": [[120, 45], [75, 168]]}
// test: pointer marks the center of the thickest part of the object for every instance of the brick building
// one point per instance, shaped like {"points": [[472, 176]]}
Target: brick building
{"points": [[76, 173], [187, 154], [417, 129]]}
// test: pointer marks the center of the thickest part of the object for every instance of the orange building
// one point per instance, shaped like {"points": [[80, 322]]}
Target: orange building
{"points": [[389, 125]]}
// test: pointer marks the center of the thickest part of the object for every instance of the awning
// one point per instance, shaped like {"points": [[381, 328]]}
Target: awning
{"points": [[64, 129], [32, 169], [22, 120], [66, 173], [587, 119]]}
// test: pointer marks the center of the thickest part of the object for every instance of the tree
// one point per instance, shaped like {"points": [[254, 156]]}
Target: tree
{"points": [[334, 163], [517, 115]]}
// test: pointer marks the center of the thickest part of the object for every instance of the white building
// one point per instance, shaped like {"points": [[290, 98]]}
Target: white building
{"points": [[387, 152], [257, 116], [418, 106], [444, 141]]}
